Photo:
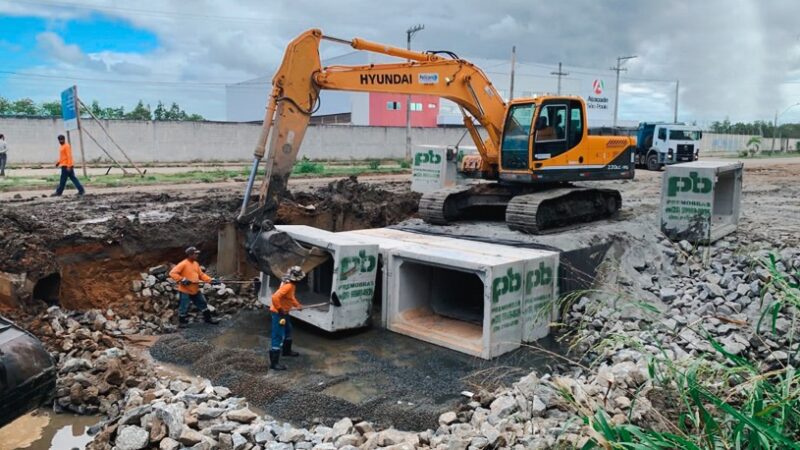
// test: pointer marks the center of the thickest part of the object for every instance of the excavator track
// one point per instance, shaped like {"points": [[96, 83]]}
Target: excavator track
{"points": [[437, 207], [540, 211]]}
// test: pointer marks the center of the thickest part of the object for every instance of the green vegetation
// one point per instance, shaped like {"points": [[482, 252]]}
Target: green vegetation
{"points": [[305, 165], [716, 400], [29, 108], [764, 154], [758, 128], [304, 168]]}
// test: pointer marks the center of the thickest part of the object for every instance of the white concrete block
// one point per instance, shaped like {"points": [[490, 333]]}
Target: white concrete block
{"points": [[431, 170], [478, 298], [349, 274], [700, 200]]}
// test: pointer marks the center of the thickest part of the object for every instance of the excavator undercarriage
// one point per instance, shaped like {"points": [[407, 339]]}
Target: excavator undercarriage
{"points": [[532, 209]]}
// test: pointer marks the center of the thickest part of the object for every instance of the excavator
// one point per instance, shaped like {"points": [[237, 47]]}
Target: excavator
{"points": [[533, 148]]}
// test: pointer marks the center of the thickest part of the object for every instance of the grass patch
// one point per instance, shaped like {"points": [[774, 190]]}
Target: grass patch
{"points": [[304, 168]]}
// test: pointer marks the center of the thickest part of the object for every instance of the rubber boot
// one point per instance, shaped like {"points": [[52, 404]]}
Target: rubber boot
{"points": [[208, 319], [274, 360], [287, 348], [183, 321]]}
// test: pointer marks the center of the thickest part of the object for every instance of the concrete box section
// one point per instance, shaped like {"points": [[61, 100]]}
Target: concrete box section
{"points": [[431, 170], [477, 298], [349, 275], [700, 200]]}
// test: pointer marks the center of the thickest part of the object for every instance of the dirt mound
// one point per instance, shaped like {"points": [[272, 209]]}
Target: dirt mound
{"points": [[347, 204]]}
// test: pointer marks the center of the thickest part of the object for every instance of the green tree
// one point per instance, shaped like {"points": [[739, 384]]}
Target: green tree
{"points": [[140, 112], [5, 107], [50, 109], [24, 107], [160, 113]]}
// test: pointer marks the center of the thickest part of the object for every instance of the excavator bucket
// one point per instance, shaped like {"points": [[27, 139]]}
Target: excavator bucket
{"points": [[274, 252]]}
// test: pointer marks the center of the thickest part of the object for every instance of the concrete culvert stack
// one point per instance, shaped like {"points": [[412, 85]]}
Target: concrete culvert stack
{"points": [[477, 298]]}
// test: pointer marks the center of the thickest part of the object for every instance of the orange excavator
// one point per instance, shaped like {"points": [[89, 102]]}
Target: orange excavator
{"points": [[533, 149]]}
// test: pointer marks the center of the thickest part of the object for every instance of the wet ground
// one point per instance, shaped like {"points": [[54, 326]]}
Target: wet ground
{"points": [[371, 373], [46, 430]]}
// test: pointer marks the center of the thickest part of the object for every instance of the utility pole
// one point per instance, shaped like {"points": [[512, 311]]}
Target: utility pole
{"points": [[677, 89], [618, 69], [409, 33], [559, 74], [775, 126], [513, 63]]}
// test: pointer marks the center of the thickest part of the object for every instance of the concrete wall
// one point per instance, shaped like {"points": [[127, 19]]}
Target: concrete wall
{"points": [[733, 143], [34, 140]]}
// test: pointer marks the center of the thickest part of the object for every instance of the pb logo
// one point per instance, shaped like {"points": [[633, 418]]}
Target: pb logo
{"points": [[692, 183], [541, 276], [510, 282], [360, 263], [427, 157]]}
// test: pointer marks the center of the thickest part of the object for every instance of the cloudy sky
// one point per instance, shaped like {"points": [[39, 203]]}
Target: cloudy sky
{"points": [[738, 59]]}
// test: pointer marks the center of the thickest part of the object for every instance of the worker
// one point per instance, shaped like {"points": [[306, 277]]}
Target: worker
{"points": [[283, 301], [67, 168], [189, 275], [3, 155]]}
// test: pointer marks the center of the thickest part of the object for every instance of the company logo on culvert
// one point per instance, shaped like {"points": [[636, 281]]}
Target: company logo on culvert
{"points": [[352, 264], [598, 86], [510, 282], [541, 276], [693, 183], [427, 157]]}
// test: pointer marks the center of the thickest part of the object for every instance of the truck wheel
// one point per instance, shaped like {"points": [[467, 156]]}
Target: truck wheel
{"points": [[652, 162]]}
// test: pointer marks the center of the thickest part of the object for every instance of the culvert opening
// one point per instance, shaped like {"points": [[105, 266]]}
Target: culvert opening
{"points": [[442, 305], [48, 289], [315, 288]]}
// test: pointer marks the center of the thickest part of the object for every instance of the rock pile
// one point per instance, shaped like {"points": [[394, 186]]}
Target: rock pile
{"points": [[157, 295], [184, 413], [94, 370], [731, 295]]}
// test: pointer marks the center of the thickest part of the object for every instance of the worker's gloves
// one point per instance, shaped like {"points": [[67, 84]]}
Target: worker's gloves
{"points": [[185, 282], [282, 322]]}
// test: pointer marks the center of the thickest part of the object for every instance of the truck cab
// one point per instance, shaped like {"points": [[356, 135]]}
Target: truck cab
{"points": [[660, 144]]}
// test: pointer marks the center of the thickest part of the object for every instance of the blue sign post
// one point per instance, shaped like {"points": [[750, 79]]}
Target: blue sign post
{"points": [[68, 108]]}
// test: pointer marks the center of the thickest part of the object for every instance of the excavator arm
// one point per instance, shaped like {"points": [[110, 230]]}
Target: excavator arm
{"points": [[294, 97], [300, 78]]}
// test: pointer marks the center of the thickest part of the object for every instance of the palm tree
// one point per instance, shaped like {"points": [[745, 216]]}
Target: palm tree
{"points": [[754, 144]]}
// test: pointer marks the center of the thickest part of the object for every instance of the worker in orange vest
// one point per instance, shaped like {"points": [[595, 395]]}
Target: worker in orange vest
{"points": [[67, 168], [189, 275], [283, 301]]}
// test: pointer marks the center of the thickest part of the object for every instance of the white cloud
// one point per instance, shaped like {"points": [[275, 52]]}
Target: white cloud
{"points": [[731, 56]]}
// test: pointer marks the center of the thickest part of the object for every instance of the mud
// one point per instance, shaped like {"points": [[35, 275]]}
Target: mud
{"points": [[92, 248], [373, 374], [347, 204]]}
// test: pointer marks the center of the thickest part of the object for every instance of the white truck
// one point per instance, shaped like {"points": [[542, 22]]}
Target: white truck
{"points": [[661, 144]]}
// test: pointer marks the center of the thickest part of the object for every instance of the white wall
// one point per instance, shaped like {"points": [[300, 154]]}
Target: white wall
{"points": [[34, 140]]}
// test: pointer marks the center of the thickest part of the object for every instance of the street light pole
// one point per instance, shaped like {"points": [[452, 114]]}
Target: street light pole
{"points": [[618, 69], [409, 33]]}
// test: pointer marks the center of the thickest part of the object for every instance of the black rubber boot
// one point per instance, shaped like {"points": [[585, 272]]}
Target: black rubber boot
{"points": [[183, 321], [208, 319], [274, 359], [287, 348]]}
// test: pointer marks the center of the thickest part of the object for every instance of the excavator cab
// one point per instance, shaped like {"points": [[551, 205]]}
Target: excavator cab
{"points": [[539, 130]]}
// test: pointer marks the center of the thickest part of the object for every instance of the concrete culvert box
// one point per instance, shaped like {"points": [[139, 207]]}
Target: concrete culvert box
{"points": [[472, 297], [700, 201], [347, 278]]}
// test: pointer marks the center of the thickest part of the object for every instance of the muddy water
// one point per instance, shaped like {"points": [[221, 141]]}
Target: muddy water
{"points": [[45, 430], [374, 374]]}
